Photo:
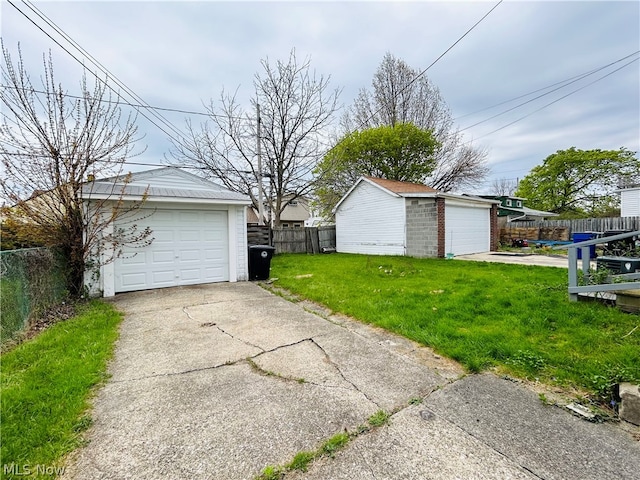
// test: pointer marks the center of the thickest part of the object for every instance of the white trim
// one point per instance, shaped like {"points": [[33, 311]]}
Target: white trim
{"points": [[461, 202], [466, 200], [157, 172], [232, 245], [108, 270], [138, 198]]}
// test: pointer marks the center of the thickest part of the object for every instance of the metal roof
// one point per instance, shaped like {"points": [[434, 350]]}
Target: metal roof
{"points": [[137, 184]]}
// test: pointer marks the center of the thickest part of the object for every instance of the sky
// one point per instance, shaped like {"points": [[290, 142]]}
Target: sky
{"points": [[180, 55]]}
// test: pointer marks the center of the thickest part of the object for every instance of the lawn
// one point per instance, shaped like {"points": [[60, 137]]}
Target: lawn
{"points": [[513, 317], [46, 386], [13, 307]]}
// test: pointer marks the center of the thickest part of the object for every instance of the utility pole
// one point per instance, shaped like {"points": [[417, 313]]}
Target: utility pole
{"points": [[260, 199]]}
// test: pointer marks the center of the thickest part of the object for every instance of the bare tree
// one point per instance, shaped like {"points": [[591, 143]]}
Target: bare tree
{"points": [[51, 146], [504, 186], [295, 105], [399, 95]]}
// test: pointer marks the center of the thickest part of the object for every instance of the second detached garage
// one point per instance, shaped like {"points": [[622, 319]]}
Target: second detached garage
{"points": [[388, 217], [198, 228]]}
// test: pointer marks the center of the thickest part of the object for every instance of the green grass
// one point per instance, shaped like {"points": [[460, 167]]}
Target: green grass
{"points": [[484, 315], [379, 418], [302, 460], [47, 384], [13, 309]]}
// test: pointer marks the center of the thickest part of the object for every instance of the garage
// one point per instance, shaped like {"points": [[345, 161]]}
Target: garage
{"points": [[198, 230], [389, 217], [189, 247], [467, 227]]}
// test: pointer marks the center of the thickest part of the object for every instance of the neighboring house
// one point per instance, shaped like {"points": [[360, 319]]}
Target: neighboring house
{"points": [[630, 201], [199, 232], [512, 209], [387, 217], [296, 213], [253, 217]]}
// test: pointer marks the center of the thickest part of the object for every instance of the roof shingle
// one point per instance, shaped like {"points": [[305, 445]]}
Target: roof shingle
{"points": [[396, 186]]}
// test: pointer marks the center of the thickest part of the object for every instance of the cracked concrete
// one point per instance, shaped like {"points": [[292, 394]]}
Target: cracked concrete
{"points": [[184, 401]]}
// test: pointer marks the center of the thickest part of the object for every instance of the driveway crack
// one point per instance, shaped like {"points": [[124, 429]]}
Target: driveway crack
{"points": [[342, 375], [485, 443], [221, 330], [182, 372]]}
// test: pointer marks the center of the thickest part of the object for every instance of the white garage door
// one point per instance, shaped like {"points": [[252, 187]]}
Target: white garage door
{"points": [[189, 247], [467, 229]]}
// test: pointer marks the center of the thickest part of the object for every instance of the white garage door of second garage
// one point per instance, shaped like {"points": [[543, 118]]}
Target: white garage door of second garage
{"points": [[467, 229], [189, 247]]}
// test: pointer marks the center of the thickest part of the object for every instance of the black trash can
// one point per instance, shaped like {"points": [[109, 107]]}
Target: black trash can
{"points": [[260, 261]]}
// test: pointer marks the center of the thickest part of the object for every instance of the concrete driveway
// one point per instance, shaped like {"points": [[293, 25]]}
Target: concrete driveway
{"points": [[518, 259], [219, 381]]}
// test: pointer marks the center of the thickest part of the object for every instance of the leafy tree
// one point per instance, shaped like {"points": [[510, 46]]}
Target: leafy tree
{"points": [[51, 144], [400, 152], [399, 96], [579, 183], [295, 107]]}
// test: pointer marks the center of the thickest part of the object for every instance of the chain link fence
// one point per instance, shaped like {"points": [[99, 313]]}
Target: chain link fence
{"points": [[31, 280]]}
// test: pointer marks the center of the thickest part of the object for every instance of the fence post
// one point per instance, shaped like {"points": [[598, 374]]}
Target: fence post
{"points": [[313, 244], [573, 272]]}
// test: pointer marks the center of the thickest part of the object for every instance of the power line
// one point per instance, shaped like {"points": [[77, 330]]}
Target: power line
{"points": [[579, 77], [133, 105], [557, 100], [420, 74], [101, 67], [574, 80], [455, 43], [66, 37], [76, 59]]}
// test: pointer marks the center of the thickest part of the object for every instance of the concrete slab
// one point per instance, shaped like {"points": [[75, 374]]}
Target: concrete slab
{"points": [[185, 398], [386, 378], [630, 405], [304, 361], [219, 381], [171, 341], [416, 446], [224, 423], [518, 259], [544, 440]]}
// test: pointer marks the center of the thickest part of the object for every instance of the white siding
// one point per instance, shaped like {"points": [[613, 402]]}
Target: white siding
{"points": [[630, 202], [242, 267], [208, 243], [174, 180], [190, 246], [371, 221], [467, 228]]}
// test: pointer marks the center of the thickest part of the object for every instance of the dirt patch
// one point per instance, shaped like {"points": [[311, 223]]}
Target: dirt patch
{"points": [[46, 319]]}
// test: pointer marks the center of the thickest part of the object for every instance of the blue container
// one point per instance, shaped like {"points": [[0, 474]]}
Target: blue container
{"points": [[583, 237]]}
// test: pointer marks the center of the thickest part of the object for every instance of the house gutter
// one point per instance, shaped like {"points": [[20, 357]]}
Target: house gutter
{"points": [[509, 220], [137, 198]]}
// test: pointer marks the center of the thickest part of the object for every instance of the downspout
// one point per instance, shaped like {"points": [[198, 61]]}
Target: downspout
{"points": [[509, 219]]}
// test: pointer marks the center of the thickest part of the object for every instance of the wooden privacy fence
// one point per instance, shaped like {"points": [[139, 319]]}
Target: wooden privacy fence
{"points": [[513, 231], [588, 224], [258, 235], [563, 230], [304, 240]]}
